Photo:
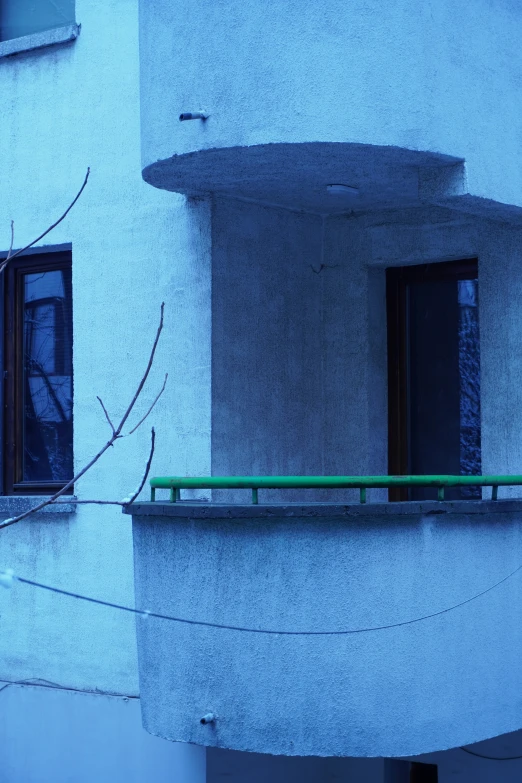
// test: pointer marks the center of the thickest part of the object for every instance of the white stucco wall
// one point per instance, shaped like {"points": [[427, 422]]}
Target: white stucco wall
{"points": [[133, 246], [61, 735], [66, 108]]}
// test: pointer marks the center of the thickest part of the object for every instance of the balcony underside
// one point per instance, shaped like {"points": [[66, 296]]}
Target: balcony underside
{"points": [[296, 176], [389, 687]]}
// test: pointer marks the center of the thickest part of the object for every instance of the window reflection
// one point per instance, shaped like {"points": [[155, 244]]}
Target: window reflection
{"points": [[47, 381], [443, 371]]}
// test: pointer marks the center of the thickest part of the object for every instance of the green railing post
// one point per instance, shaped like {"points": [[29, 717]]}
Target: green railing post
{"points": [[255, 498]]}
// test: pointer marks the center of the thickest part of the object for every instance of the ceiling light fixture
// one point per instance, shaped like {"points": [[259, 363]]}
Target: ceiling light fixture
{"points": [[342, 190]]}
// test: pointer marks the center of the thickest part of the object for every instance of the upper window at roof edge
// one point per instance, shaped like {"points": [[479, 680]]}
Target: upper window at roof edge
{"points": [[24, 17]]}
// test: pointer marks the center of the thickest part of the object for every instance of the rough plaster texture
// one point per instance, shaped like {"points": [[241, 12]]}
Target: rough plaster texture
{"points": [[440, 78], [133, 247], [500, 291], [296, 355], [447, 681], [55, 735]]}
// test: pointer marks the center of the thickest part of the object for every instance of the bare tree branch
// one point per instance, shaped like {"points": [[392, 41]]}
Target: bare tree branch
{"points": [[152, 406], [147, 467], [47, 230], [114, 437], [145, 375], [111, 425]]}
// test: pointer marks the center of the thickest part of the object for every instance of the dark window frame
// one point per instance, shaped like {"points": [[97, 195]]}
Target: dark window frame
{"points": [[397, 280], [13, 366]]}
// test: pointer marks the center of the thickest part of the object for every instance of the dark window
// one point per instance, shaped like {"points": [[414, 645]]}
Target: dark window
{"points": [[38, 383], [434, 374], [23, 17]]}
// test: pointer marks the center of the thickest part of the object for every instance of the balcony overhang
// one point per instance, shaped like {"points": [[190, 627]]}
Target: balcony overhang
{"points": [[359, 674], [297, 176]]}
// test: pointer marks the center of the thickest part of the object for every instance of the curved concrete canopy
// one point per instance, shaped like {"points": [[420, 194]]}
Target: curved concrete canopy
{"points": [[296, 175]]}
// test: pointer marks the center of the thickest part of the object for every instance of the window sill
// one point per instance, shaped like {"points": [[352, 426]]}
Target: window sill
{"points": [[58, 35], [12, 505]]}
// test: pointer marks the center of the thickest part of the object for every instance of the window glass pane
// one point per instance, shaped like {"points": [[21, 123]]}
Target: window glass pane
{"points": [[47, 377], [22, 17], [469, 375]]}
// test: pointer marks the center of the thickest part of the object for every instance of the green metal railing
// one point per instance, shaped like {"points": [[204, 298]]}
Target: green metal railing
{"points": [[175, 484]]}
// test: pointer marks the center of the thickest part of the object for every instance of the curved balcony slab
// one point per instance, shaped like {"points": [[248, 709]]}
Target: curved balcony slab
{"points": [[297, 176], [404, 689], [443, 78]]}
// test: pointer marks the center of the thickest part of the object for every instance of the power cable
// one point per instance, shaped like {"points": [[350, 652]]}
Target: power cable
{"points": [[491, 758], [8, 575]]}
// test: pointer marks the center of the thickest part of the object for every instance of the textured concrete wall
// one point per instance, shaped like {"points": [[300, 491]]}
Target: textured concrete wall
{"points": [[438, 76], [450, 680], [58, 735], [132, 247], [298, 345], [65, 108], [500, 292]]}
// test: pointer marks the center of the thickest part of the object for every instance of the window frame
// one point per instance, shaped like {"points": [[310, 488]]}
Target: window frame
{"points": [[13, 369], [397, 280]]}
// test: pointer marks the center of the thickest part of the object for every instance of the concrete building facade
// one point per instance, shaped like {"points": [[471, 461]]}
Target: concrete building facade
{"points": [[331, 144]]}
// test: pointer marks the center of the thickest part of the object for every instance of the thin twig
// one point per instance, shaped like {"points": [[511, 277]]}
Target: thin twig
{"points": [[71, 205], [115, 436], [111, 425], [152, 406], [147, 467], [145, 376]]}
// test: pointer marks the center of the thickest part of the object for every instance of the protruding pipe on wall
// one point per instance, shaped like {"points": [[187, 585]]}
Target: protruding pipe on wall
{"points": [[208, 718], [193, 115]]}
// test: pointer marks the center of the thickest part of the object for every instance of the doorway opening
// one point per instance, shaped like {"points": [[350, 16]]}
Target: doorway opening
{"points": [[433, 375]]}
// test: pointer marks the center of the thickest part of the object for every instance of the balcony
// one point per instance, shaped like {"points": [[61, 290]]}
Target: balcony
{"points": [[388, 98], [353, 629]]}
